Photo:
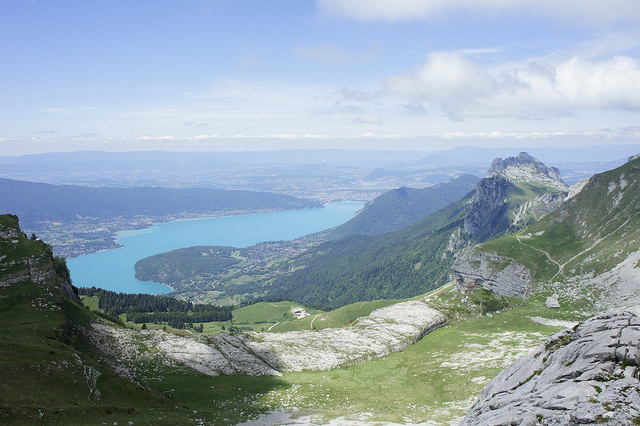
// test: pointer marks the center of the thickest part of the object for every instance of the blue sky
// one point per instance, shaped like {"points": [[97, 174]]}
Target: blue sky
{"points": [[246, 74]]}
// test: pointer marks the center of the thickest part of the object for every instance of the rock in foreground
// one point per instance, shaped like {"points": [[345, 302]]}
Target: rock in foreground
{"points": [[584, 375]]}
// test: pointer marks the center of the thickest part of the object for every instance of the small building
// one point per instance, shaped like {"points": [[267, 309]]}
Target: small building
{"points": [[298, 312]]}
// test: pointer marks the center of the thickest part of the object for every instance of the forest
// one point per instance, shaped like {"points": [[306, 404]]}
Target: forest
{"points": [[399, 264], [147, 308], [177, 265]]}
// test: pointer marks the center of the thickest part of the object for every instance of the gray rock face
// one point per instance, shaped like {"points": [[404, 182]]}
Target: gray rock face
{"points": [[488, 216], [488, 202], [584, 375], [378, 334], [526, 168], [473, 269], [538, 207], [38, 268]]}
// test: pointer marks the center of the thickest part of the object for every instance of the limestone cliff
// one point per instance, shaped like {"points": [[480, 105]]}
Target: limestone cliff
{"points": [[488, 205], [500, 204], [499, 274], [585, 375], [384, 331], [23, 259]]}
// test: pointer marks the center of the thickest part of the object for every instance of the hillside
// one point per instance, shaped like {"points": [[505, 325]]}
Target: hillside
{"points": [[50, 372], [40, 202], [399, 264], [401, 207], [584, 251], [418, 257]]}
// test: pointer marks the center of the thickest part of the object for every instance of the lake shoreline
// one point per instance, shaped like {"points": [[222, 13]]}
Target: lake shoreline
{"points": [[113, 269]]}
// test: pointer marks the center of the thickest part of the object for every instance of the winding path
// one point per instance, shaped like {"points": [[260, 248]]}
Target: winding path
{"points": [[560, 267], [314, 318]]}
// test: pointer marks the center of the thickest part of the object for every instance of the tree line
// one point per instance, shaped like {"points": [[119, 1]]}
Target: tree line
{"points": [[146, 308]]}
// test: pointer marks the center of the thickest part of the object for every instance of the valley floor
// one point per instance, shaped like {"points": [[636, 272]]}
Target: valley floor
{"points": [[433, 382]]}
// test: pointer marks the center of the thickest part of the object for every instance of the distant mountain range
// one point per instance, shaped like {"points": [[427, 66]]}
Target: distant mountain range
{"points": [[270, 170], [80, 220], [40, 202]]}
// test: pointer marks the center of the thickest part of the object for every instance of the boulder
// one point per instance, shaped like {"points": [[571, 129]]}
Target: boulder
{"points": [[584, 375]]}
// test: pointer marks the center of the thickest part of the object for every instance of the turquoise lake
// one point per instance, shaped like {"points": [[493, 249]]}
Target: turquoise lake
{"points": [[114, 269]]}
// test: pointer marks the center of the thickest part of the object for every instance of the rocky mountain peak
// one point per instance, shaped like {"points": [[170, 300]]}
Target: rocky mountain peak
{"points": [[525, 168], [489, 214]]}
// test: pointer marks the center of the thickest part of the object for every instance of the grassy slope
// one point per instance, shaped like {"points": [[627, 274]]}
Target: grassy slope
{"points": [[434, 380], [45, 379], [399, 264], [589, 234], [401, 207], [52, 375]]}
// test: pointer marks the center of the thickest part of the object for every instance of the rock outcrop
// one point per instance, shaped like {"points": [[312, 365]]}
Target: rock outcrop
{"points": [[585, 375], [384, 331], [502, 275], [538, 207], [525, 168], [488, 213], [30, 260], [488, 204]]}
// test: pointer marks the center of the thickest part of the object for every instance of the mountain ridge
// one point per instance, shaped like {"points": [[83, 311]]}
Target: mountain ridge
{"points": [[590, 240], [403, 206]]}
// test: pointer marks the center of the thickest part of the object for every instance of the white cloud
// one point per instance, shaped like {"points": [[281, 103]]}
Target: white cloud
{"points": [[574, 11], [447, 79], [368, 119], [369, 140], [464, 88], [154, 138]]}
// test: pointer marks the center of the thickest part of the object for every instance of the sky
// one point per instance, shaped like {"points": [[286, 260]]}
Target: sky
{"points": [[200, 75]]}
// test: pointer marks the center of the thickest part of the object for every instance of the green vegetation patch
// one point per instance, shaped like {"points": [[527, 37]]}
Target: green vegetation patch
{"points": [[436, 379], [186, 263], [265, 312], [146, 308]]}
